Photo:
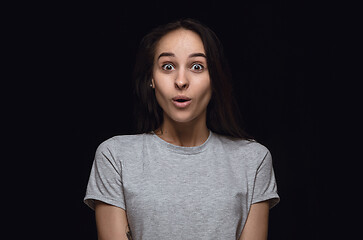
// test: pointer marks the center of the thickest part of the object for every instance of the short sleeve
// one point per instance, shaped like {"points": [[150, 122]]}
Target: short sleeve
{"points": [[105, 181], [265, 187]]}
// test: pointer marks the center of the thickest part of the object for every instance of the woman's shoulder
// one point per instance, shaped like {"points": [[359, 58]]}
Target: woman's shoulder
{"points": [[242, 152], [122, 142], [237, 145]]}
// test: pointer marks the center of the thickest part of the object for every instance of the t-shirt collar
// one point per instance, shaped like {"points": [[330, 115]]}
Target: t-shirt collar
{"points": [[183, 150]]}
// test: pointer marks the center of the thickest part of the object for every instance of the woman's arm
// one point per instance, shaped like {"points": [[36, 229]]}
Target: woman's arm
{"points": [[256, 227], [111, 222]]}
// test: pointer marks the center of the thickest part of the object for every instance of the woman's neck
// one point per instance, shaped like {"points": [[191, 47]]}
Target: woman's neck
{"points": [[189, 134]]}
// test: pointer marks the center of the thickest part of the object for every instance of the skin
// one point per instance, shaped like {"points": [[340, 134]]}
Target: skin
{"points": [[111, 222], [180, 69], [256, 227]]}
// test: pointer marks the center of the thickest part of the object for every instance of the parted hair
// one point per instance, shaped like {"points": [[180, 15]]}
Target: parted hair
{"points": [[223, 116]]}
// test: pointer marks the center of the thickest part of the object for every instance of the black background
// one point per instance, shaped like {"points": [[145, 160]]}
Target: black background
{"points": [[283, 59]]}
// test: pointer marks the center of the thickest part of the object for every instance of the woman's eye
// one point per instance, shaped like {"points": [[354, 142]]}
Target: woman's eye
{"points": [[168, 67], [197, 67]]}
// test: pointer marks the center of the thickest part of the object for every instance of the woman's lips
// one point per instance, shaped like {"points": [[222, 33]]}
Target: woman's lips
{"points": [[181, 101], [184, 104]]}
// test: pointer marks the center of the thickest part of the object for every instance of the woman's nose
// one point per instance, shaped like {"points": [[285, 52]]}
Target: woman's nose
{"points": [[181, 82]]}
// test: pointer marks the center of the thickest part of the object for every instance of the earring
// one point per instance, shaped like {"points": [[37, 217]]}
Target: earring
{"points": [[151, 85]]}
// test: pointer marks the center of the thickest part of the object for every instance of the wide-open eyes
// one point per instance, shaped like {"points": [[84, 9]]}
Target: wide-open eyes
{"points": [[168, 67], [195, 67]]}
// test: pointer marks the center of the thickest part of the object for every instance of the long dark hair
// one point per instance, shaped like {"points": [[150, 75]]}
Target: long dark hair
{"points": [[222, 112]]}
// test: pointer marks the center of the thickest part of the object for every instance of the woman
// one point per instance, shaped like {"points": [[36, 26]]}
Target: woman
{"points": [[191, 172]]}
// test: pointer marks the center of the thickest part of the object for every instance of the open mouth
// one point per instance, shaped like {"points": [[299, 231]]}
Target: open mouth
{"points": [[181, 100]]}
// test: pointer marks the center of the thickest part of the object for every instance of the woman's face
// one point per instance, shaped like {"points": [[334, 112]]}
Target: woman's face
{"points": [[180, 76]]}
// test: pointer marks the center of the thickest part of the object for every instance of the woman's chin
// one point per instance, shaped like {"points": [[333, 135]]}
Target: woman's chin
{"points": [[183, 117]]}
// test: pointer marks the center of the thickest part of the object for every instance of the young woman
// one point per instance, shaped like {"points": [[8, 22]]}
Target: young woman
{"points": [[191, 172]]}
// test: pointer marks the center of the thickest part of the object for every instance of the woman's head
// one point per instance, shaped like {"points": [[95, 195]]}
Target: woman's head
{"points": [[180, 77], [184, 58]]}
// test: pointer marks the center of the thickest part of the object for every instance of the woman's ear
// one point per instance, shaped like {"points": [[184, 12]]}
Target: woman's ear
{"points": [[152, 83]]}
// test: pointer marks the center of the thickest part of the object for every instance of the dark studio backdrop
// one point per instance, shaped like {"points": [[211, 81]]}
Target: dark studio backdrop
{"points": [[281, 55]]}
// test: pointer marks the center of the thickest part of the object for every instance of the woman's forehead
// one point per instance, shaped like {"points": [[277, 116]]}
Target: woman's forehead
{"points": [[180, 43]]}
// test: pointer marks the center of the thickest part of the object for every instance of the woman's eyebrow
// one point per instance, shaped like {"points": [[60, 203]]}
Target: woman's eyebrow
{"points": [[197, 55], [170, 54], [166, 54]]}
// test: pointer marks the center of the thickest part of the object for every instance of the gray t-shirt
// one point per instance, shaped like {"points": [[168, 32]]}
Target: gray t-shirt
{"points": [[174, 192]]}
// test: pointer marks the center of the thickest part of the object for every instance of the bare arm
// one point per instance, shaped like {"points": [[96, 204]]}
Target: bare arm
{"points": [[111, 222], [256, 227]]}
